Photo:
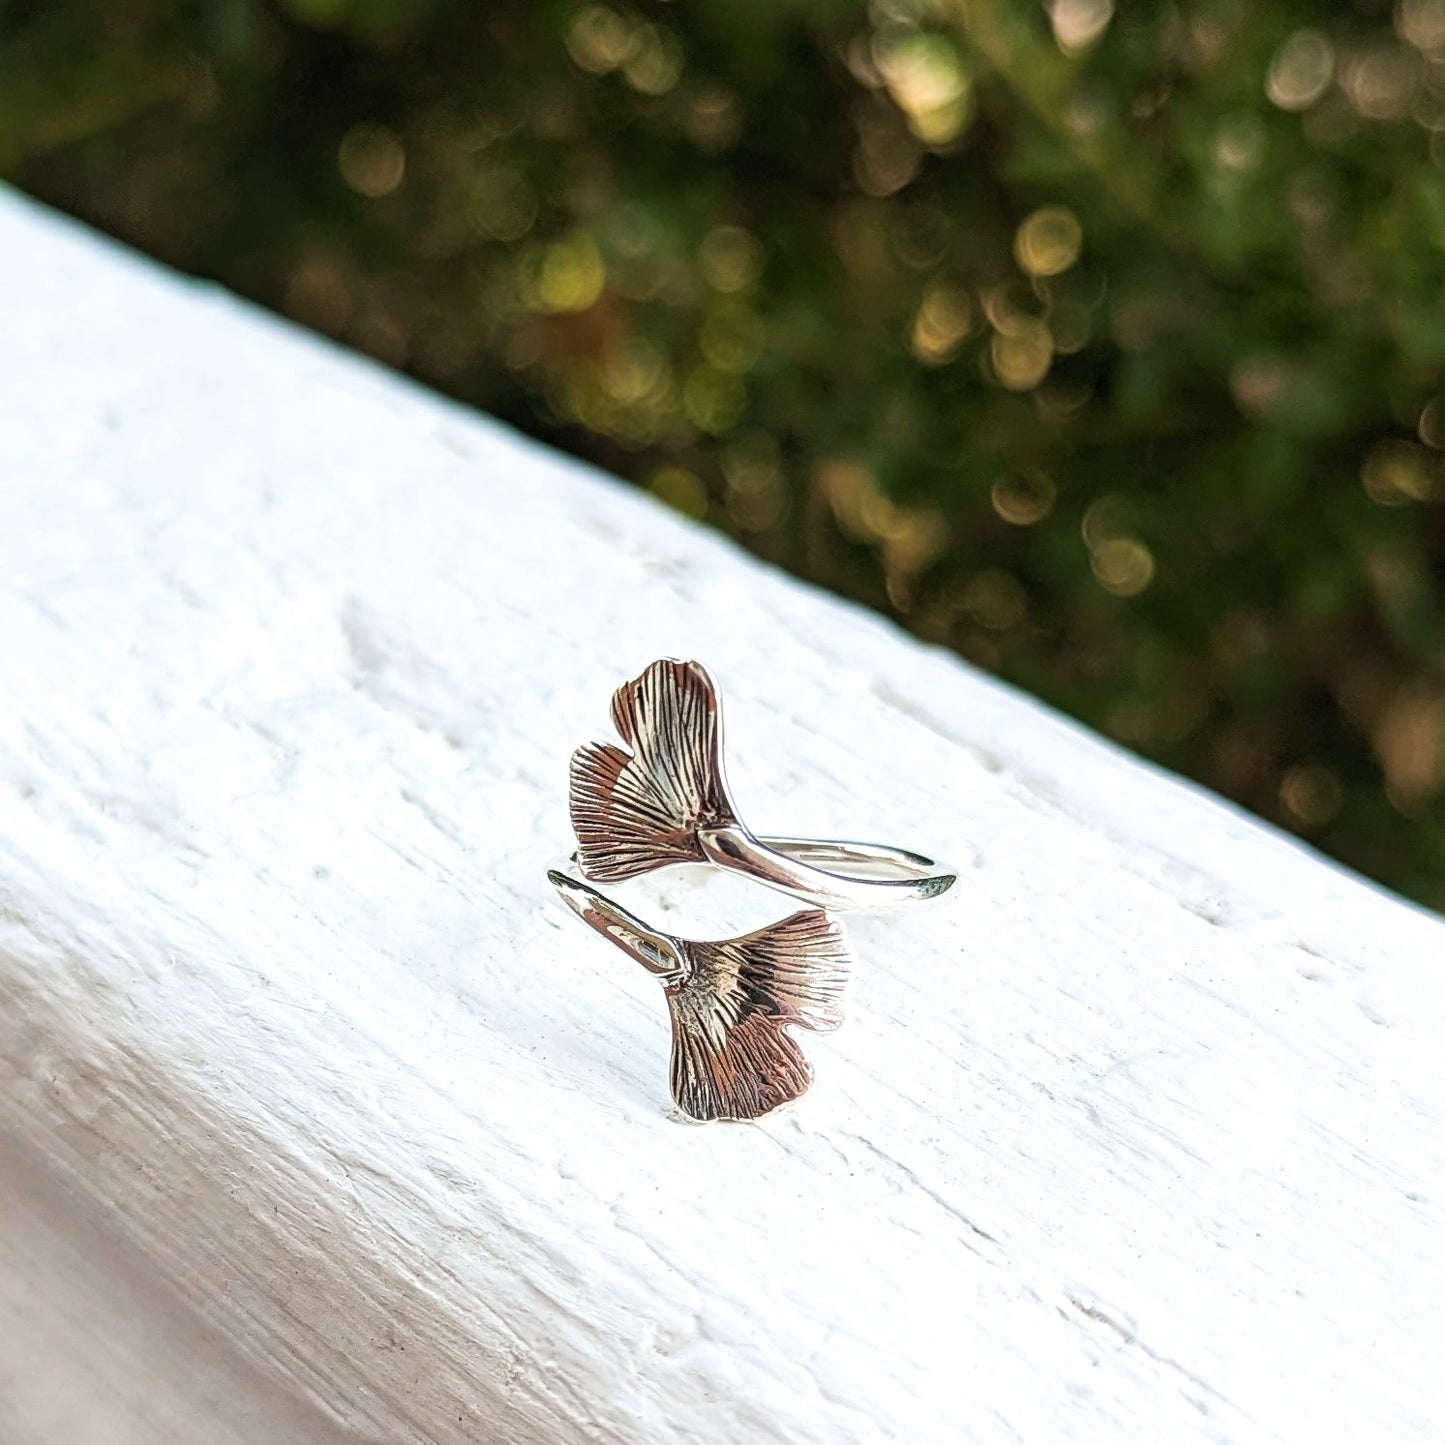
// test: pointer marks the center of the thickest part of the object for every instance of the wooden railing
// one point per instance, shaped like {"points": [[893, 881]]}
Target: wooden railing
{"points": [[321, 1121]]}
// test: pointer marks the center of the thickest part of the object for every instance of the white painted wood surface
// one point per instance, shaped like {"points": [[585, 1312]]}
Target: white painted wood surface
{"points": [[320, 1120]]}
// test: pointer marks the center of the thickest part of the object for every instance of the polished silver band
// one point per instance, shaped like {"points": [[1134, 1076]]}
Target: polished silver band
{"points": [[659, 953], [829, 873], [663, 799]]}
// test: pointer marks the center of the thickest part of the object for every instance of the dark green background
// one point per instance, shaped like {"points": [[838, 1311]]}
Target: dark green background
{"points": [[1106, 345]]}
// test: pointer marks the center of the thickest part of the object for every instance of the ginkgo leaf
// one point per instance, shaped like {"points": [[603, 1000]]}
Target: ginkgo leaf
{"points": [[731, 1055], [637, 811]]}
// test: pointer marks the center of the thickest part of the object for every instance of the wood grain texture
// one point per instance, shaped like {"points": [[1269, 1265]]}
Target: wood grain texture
{"points": [[319, 1119]]}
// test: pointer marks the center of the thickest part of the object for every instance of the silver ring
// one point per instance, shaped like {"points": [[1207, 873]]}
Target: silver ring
{"points": [[667, 802], [731, 1001]]}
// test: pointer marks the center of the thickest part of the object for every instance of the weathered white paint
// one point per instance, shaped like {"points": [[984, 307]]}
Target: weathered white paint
{"points": [[320, 1120]]}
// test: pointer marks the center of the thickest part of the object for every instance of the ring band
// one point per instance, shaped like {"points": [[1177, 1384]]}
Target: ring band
{"points": [[731, 1002], [667, 802], [875, 875]]}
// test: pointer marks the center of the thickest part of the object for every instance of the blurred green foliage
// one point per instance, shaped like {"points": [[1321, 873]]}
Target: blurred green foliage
{"points": [[1102, 341]]}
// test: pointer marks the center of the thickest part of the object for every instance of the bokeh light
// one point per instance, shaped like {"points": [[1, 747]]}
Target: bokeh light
{"points": [[1301, 70], [372, 160], [1048, 242]]}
